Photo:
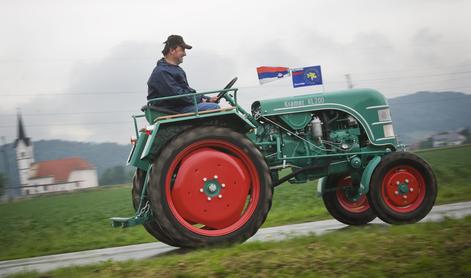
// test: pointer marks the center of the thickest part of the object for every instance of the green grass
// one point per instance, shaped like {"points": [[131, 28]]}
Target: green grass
{"points": [[423, 250], [79, 221], [64, 223], [452, 166]]}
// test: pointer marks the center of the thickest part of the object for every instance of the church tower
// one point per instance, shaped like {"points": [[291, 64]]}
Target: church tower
{"points": [[24, 156]]}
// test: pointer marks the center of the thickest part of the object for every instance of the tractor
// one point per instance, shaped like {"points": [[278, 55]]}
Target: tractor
{"points": [[207, 178]]}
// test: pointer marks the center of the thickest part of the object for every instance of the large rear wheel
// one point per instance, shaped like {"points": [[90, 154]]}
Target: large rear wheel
{"points": [[344, 202], [403, 188], [151, 226], [209, 186]]}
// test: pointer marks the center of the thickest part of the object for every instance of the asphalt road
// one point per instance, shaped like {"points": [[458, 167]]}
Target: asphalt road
{"points": [[149, 250]]}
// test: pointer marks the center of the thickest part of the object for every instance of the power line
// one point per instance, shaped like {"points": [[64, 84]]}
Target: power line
{"points": [[69, 113], [71, 124], [466, 98], [416, 76], [95, 93], [409, 69], [64, 92]]}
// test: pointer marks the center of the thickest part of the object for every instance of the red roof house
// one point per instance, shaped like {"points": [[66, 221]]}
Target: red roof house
{"points": [[59, 169]]}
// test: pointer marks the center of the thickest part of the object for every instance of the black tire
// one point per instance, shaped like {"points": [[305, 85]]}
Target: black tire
{"points": [[167, 170], [403, 188], [151, 226], [340, 202]]}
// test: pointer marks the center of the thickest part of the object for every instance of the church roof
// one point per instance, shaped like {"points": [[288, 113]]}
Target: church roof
{"points": [[21, 133], [59, 169]]}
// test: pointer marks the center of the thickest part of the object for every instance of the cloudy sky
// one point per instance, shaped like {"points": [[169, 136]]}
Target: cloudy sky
{"points": [[77, 70]]}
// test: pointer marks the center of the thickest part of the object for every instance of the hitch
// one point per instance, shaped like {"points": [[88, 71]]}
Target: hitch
{"points": [[139, 219], [125, 222]]}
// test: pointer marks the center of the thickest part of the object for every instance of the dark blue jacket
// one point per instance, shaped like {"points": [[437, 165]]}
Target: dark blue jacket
{"points": [[169, 80]]}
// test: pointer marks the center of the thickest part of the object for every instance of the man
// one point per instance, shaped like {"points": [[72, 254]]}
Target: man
{"points": [[168, 79]]}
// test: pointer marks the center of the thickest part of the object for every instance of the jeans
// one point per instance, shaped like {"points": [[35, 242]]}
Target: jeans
{"points": [[202, 106]]}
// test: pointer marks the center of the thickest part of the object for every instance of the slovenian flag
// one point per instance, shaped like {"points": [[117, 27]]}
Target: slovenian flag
{"points": [[268, 74]]}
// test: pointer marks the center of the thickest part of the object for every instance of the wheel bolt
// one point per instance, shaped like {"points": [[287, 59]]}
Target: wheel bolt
{"points": [[223, 185], [407, 181], [201, 190], [220, 196], [411, 189], [395, 192], [212, 188], [216, 177], [397, 182], [205, 179], [209, 198], [405, 196]]}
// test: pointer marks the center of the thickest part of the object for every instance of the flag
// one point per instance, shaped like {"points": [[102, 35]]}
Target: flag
{"points": [[308, 76], [268, 74]]}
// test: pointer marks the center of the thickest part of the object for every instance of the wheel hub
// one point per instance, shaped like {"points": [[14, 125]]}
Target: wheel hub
{"points": [[350, 198], [211, 188], [403, 188], [352, 194]]}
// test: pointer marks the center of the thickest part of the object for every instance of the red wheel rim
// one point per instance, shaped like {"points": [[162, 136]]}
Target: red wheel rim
{"points": [[403, 189], [204, 166], [352, 205]]}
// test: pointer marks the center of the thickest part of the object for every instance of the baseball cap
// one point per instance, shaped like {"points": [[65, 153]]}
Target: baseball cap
{"points": [[176, 40]]}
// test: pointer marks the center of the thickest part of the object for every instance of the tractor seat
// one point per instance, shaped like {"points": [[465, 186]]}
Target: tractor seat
{"points": [[159, 109]]}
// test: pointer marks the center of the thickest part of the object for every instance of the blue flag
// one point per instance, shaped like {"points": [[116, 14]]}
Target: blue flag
{"points": [[308, 76]]}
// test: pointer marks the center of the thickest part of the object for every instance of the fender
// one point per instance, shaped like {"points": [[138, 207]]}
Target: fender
{"points": [[231, 117], [321, 185], [365, 177]]}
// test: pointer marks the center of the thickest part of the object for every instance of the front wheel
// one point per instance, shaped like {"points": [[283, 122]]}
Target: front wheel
{"points": [[209, 186], [344, 202], [403, 188]]}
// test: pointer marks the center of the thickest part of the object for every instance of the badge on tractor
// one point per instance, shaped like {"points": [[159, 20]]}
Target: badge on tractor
{"points": [[207, 178]]}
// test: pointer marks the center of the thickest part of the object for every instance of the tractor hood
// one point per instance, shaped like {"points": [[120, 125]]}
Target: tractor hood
{"points": [[357, 99], [368, 106]]}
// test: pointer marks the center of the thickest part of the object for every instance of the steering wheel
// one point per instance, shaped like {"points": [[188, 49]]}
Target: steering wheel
{"points": [[228, 86]]}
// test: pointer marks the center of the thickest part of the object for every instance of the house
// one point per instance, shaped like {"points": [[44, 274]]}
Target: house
{"points": [[61, 175], [447, 139]]}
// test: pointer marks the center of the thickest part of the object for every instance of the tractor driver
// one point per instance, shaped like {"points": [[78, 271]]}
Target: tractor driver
{"points": [[169, 79]]}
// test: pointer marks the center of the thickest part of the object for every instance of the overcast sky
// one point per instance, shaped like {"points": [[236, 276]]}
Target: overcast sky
{"points": [[77, 70]]}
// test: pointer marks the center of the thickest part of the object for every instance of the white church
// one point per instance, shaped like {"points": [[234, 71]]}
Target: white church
{"points": [[51, 175]]}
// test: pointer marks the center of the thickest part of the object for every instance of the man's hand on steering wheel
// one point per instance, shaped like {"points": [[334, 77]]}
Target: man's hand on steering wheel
{"points": [[210, 99], [228, 86]]}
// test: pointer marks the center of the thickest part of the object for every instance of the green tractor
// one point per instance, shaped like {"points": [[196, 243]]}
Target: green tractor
{"points": [[207, 178]]}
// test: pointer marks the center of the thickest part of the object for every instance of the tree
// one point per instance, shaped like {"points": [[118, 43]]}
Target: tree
{"points": [[466, 133], [115, 175], [426, 144], [2, 183]]}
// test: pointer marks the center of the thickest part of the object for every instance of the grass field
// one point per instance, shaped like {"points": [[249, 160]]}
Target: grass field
{"points": [[423, 250], [79, 221]]}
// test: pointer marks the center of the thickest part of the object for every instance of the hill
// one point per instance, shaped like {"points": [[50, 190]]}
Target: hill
{"points": [[422, 114]]}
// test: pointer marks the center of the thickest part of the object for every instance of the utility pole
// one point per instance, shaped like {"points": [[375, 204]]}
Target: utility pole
{"points": [[349, 81]]}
